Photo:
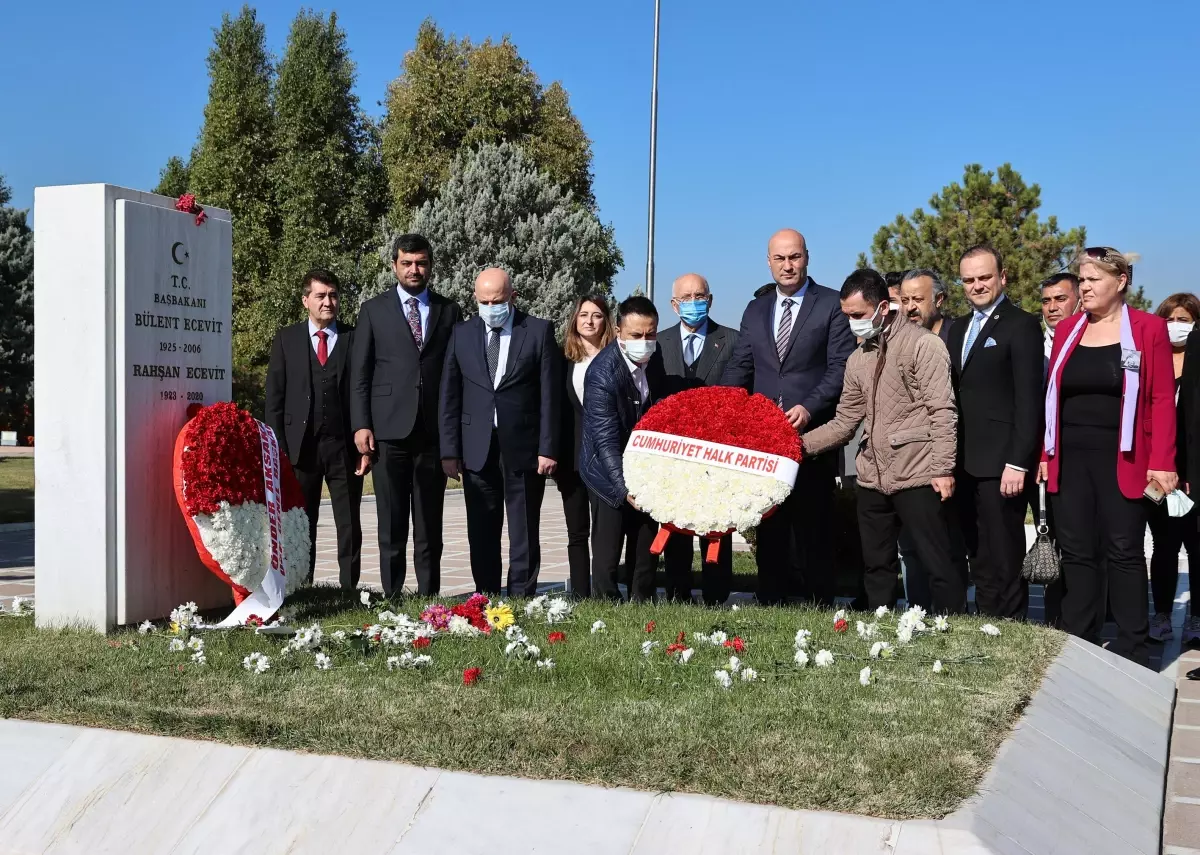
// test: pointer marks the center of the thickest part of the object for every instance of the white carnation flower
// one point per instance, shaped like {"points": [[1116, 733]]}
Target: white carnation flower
{"points": [[145, 627], [881, 650], [937, 667], [514, 633], [718, 638], [21, 606], [323, 662], [734, 664], [537, 606], [864, 676], [988, 629], [364, 597], [558, 610], [867, 630], [802, 637], [749, 675], [459, 625], [599, 626], [723, 679], [801, 658], [823, 659], [840, 614], [881, 611], [648, 647], [546, 664], [685, 656], [339, 635]]}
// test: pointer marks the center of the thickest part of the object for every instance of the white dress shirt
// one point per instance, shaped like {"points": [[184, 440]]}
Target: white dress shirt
{"points": [[639, 377], [502, 359], [796, 299], [578, 372], [422, 308], [330, 340], [699, 334]]}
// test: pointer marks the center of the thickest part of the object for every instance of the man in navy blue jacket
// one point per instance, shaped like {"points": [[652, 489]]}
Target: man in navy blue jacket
{"points": [[499, 430], [622, 382], [792, 348]]}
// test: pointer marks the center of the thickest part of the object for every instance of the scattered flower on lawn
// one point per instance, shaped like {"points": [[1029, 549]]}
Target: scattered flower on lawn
{"points": [[195, 644], [473, 611], [323, 662], [471, 676], [256, 662], [989, 629], [364, 597], [547, 664], [734, 607], [387, 616], [408, 661], [339, 635], [500, 616], [306, 638], [648, 646], [734, 664], [723, 679], [421, 642], [840, 625], [685, 656], [537, 606], [176, 645], [459, 625], [522, 649], [650, 626], [680, 637], [736, 643], [881, 611], [515, 633], [676, 647], [199, 658], [599, 626], [823, 659], [716, 638], [840, 614], [801, 658], [556, 637], [802, 637], [916, 612], [145, 627], [867, 630], [437, 616], [904, 632], [938, 667], [184, 618], [393, 662], [940, 623], [558, 610], [882, 650], [864, 676], [749, 675], [254, 621]]}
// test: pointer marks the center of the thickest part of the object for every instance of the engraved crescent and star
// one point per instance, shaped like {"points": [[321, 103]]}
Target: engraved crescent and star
{"points": [[174, 252]]}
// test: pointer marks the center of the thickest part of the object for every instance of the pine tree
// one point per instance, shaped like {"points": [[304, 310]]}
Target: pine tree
{"points": [[327, 177], [231, 168], [499, 209], [16, 317], [173, 178], [453, 96]]}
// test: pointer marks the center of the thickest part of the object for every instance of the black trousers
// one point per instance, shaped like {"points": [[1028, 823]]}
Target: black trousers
{"points": [[716, 580], [1089, 500], [1169, 534], [327, 458], [804, 521], [577, 511], [916, 578], [994, 528], [408, 474], [923, 514], [489, 493], [612, 526]]}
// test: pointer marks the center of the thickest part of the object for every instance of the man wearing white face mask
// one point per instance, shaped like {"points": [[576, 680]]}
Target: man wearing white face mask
{"points": [[622, 382], [897, 386]]}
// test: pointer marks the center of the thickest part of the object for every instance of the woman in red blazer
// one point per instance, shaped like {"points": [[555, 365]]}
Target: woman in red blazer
{"points": [[1110, 434]]}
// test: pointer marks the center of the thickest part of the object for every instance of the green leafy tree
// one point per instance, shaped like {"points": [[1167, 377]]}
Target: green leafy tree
{"points": [[453, 96], [16, 317], [231, 168], [327, 176], [499, 209], [173, 179], [998, 209]]}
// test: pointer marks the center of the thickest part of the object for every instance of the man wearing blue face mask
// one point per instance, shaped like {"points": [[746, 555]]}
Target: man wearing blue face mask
{"points": [[499, 430], [695, 352]]}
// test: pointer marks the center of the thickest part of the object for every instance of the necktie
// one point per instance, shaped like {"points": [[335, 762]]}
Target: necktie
{"points": [[785, 328], [971, 334], [493, 353], [414, 322], [322, 346], [689, 353]]}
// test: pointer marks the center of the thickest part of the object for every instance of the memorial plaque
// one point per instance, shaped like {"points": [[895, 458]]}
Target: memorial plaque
{"points": [[133, 302]]}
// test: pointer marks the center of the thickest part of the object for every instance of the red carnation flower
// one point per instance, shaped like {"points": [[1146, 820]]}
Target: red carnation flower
{"points": [[421, 642], [672, 649], [679, 638], [556, 637], [650, 626], [736, 643], [840, 625], [471, 676], [728, 415]]}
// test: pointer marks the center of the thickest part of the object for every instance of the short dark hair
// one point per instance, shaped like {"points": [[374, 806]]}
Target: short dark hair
{"points": [[1185, 301], [636, 305], [980, 248], [1070, 278], [320, 274], [869, 283], [894, 278], [411, 243]]}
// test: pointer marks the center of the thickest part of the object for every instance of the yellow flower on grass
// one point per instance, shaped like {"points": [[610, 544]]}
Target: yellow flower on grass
{"points": [[500, 616]]}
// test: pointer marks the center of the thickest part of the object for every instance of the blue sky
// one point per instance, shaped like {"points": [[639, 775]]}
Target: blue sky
{"points": [[828, 117]]}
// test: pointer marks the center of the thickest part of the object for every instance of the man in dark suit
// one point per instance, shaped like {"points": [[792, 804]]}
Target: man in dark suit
{"points": [[624, 379], [996, 360], [308, 407], [500, 425], [396, 371], [792, 347], [695, 352]]}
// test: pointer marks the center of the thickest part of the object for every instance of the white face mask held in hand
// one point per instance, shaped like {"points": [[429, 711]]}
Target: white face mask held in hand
{"points": [[1179, 331], [1178, 503]]}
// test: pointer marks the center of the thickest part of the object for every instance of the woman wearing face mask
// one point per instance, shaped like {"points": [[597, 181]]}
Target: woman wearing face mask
{"points": [[588, 331], [1169, 533], [1109, 440]]}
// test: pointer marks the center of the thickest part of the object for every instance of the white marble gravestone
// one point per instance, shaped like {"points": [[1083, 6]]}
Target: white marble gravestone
{"points": [[133, 305]]}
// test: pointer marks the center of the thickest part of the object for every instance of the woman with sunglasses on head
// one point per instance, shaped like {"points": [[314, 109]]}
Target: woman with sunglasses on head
{"points": [[588, 331], [1109, 441], [1181, 312]]}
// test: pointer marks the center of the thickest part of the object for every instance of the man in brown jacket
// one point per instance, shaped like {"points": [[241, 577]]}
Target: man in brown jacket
{"points": [[897, 386]]}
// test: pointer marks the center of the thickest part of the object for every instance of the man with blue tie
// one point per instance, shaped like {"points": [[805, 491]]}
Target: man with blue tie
{"points": [[694, 353], [996, 363], [500, 430], [792, 347]]}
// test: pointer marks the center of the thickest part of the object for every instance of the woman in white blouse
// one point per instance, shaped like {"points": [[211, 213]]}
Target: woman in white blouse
{"points": [[588, 330]]}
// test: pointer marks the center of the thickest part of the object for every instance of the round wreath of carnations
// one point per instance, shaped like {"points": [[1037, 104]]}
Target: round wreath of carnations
{"points": [[220, 489], [683, 487]]}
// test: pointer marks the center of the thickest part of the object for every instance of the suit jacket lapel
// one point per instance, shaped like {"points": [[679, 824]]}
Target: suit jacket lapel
{"points": [[802, 313], [671, 345], [984, 332], [477, 345], [516, 341], [345, 340], [299, 347], [436, 308], [714, 342]]}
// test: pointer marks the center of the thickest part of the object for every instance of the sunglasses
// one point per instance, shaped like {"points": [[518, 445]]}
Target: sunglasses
{"points": [[1104, 253]]}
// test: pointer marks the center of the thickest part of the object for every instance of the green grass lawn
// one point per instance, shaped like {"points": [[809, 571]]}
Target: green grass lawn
{"points": [[16, 489], [911, 744]]}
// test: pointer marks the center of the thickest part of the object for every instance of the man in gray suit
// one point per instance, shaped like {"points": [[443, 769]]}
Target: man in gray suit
{"points": [[694, 353]]}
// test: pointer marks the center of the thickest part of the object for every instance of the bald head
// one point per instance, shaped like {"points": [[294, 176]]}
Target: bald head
{"points": [[492, 287], [787, 254], [690, 286]]}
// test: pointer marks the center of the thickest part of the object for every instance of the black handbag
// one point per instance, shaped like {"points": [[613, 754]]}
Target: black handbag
{"points": [[1041, 565]]}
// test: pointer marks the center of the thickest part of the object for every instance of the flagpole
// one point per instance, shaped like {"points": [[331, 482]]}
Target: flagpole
{"points": [[653, 158]]}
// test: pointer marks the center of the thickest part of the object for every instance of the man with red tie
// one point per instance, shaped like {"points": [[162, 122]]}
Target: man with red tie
{"points": [[308, 407]]}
